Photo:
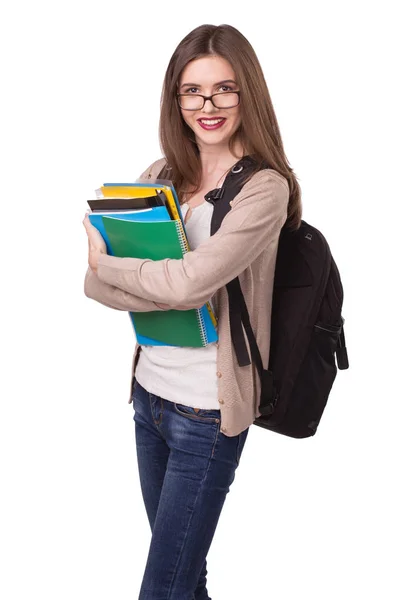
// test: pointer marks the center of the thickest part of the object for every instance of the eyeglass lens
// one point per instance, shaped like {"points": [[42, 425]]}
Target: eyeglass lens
{"points": [[196, 102]]}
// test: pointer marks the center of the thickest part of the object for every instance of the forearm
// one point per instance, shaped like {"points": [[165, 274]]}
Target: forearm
{"points": [[113, 297]]}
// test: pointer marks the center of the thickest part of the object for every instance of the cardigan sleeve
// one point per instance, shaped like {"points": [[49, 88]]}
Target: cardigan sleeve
{"points": [[113, 297], [252, 226]]}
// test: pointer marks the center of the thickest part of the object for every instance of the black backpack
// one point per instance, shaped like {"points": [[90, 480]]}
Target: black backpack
{"points": [[307, 335]]}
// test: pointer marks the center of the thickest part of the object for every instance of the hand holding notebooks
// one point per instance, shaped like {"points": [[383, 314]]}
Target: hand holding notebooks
{"points": [[152, 233]]}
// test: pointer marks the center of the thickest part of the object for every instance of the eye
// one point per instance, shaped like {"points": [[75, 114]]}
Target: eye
{"points": [[190, 89], [228, 87]]}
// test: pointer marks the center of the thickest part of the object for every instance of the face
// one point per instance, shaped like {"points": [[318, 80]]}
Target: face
{"points": [[207, 76]]}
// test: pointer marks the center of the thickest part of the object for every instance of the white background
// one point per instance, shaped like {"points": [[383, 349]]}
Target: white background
{"points": [[305, 519]]}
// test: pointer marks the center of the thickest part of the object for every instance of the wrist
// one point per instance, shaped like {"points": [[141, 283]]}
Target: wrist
{"points": [[94, 259]]}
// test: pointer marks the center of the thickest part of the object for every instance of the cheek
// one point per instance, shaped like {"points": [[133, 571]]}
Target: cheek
{"points": [[186, 120], [236, 118]]}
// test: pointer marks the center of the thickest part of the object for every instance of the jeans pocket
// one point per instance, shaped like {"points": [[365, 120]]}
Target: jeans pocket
{"points": [[202, 414]]}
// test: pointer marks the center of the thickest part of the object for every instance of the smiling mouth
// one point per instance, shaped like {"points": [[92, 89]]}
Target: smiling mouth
{"points": [[211, 123]]}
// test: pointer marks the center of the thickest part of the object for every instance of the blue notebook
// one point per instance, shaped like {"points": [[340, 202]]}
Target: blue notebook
{"points": [[159, 213]]}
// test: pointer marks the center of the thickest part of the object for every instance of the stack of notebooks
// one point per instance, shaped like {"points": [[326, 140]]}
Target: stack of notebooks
{"points": [[144, 220]]}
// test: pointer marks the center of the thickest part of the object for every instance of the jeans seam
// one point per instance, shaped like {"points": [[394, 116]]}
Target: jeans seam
{"points": [[151, 409], [238, 447], [190, 520], [216, 438]]}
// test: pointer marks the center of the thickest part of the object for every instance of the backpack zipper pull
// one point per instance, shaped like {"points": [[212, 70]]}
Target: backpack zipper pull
{"points": [[341, 352]]}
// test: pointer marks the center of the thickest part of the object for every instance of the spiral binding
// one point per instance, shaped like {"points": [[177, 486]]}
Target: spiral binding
{"points": [[202, 326], [185, 248], [182, 237]]}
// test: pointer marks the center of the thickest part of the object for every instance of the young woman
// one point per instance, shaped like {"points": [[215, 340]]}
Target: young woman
{"points": [[193, 406]]}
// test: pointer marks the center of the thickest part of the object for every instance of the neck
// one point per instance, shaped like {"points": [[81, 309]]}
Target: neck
{"points": [[214, 159]]}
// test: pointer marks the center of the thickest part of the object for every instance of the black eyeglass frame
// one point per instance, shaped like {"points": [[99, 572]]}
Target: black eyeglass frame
{"points": [[210, 98]]}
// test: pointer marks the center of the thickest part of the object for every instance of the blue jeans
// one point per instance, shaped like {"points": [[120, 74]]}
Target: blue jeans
{"points": [[186, 466]]}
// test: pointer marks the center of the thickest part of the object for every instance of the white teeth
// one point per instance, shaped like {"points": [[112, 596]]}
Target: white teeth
{"points": [[211, 122]]}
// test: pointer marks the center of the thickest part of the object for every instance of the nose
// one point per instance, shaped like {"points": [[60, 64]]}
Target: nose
{"points": [[209, 106]]}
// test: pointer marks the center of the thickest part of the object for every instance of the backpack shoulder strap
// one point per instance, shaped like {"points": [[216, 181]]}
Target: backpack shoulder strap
{"points": [[233, 183], [238, 313]]}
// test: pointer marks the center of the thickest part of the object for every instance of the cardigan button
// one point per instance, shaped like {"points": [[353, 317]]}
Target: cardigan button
{"points": [[223, 428], [219, 374], [221, 401]]}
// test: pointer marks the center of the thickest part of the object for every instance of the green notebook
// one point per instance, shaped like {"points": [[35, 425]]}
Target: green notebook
{"points": [[156, 241]]}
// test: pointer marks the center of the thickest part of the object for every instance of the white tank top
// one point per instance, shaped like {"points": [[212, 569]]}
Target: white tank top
{"points": [[183, 375]]}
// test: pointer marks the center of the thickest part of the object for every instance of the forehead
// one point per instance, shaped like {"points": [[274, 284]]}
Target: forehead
{"points": [[207, 70]]}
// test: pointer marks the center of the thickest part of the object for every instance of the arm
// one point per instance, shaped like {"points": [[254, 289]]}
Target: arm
{"points": [[113, 297], [253, 225]]}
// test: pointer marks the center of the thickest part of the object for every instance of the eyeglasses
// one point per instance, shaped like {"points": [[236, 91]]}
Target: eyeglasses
{"points": [[197, 101]]}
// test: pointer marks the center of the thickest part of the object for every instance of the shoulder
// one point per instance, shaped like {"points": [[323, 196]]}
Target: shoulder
{"points": [[153, 170], [266, 184], [268, 176]]}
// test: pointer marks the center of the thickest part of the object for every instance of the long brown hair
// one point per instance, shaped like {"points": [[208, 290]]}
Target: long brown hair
{"points": [[258, 132]]}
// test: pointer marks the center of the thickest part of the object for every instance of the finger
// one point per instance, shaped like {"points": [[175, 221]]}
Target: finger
{"points": [[88, 226], [86, 220]]}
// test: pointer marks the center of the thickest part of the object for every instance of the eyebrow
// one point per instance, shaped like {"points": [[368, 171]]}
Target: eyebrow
{"points": [[199, 85]]}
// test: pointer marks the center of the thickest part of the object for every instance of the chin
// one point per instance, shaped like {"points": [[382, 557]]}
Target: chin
{"points": [[213, 137]]}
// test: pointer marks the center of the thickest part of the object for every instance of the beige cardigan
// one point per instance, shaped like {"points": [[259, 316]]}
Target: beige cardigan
{"points": [[246, 246]]}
